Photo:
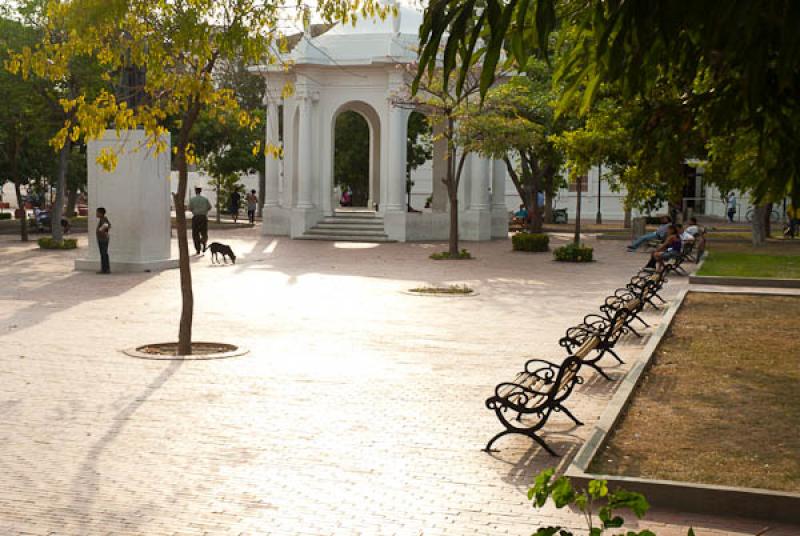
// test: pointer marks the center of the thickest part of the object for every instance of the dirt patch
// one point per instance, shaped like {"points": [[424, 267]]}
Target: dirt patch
{"points": [[719, 405]]}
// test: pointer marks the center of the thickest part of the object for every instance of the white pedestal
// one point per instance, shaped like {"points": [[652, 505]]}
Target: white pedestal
{"points": [[394, 225], [275, 221], [136, 196], [303, 219], [475, 224]]}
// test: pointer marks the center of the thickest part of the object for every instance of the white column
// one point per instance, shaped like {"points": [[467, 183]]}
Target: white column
{"points": [[499, 186], [479, 194], [304, 153], [396, 181], [272, 164]]}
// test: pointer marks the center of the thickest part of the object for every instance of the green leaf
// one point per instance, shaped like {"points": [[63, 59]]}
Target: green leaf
{"points": [[598, 488]]}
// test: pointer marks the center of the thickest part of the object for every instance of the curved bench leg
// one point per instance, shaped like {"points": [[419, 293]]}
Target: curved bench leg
{"points": [[630, 328], [544, 445], [495, 438], [600, 371], [618, 358], [533, 436], [569, 414]]}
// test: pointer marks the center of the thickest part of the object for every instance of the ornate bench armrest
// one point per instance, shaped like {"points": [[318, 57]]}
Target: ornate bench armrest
{"points": [[544, 370]]}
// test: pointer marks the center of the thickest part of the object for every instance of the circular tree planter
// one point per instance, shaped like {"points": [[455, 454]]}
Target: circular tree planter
{"points": [[452, 291], [200, 351]]}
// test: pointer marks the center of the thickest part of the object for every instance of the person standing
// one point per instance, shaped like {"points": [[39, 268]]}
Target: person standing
{"points": [[199, 207], [252, 205], [103, 237], [234, 202], [731, 206]]}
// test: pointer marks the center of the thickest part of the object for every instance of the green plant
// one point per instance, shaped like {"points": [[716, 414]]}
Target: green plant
{"points": [[597, 494], [445, 255], [573, 253], [47, 242], [5, 215], [530, 242]]}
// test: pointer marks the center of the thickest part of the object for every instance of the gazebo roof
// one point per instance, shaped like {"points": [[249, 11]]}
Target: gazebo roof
{"points": [[368, 41]]}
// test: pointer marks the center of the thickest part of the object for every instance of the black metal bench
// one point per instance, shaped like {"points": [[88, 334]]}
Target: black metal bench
{"points": [[596, 334], [525, 405]]}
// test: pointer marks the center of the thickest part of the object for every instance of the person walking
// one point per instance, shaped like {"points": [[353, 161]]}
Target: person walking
{"points": [[234, 202], [252, 205], [103, 237], [199, 207], [731, 206]]}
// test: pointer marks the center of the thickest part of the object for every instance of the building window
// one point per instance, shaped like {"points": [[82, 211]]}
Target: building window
{"points": [[584, 183]]}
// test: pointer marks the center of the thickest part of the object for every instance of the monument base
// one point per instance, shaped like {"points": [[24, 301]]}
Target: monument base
{"points": [[93, 265]]}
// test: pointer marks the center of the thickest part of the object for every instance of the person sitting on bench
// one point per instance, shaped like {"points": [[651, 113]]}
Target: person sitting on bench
{"points": [[659, 234], [521, 216], [670, 248]]}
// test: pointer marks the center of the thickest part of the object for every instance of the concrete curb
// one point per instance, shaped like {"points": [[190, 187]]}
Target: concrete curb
{"points": [[683, 496], [743, 281]]}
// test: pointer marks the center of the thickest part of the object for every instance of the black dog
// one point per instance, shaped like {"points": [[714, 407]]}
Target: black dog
{"points": [[220, 249]]}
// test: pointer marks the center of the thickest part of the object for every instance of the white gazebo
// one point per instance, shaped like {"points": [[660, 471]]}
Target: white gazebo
{"points": [[360, 68]]}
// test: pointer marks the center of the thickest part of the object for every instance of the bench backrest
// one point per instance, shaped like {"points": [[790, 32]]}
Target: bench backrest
{"points": [[566, 379]]}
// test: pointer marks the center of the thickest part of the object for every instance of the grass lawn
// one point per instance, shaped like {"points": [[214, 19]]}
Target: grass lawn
{"points": [[719, 404], [740, 264]]}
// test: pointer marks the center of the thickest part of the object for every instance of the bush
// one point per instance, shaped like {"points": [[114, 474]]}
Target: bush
{"points": [[653, 220], [530, 242], [5, 215], [573, 253], [445, 255], [47, 242]]}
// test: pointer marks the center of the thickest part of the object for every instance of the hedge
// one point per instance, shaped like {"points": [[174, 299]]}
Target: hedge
{"points": [[573, 253], [530, 242], [47, 242]]}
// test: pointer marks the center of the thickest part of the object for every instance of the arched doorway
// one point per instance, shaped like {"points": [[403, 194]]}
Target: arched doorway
{"points": [[356, 155]]}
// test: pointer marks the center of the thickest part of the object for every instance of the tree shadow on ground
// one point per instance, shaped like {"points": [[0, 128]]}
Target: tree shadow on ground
{"points": [[86, 483]]}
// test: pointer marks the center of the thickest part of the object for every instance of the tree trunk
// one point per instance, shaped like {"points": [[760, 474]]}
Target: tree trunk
{"points": [[262, 186], [768, 220], [72, 200], [187, 297], [758, 228], [598, 219], [628, 215], [23, 221], [61, 185], [452, 249], [577, 237], [219, 199]]}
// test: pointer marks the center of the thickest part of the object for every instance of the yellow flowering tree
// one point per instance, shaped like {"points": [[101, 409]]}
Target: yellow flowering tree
{"points": [[170, 52]]}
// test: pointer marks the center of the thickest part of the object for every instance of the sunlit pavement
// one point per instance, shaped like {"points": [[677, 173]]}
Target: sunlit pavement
{"points": [[359, 410]]}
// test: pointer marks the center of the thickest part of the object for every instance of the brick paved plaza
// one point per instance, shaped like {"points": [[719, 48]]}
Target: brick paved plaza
{"points": [[359, 410]]}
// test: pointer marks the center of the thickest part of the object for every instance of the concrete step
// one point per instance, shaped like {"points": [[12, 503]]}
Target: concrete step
{"points": [[345, 238], [350, 226], [345, 232], [340, 219]]}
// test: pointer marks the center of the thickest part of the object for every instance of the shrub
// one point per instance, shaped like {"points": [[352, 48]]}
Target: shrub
{"points": [[5, 215], [530, 242], [653, 220], [573, 253], [47, 242], [445, 255], [596, 501]]}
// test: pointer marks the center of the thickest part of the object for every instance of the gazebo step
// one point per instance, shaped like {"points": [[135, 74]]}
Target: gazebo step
{"points": [[345, 238]]}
